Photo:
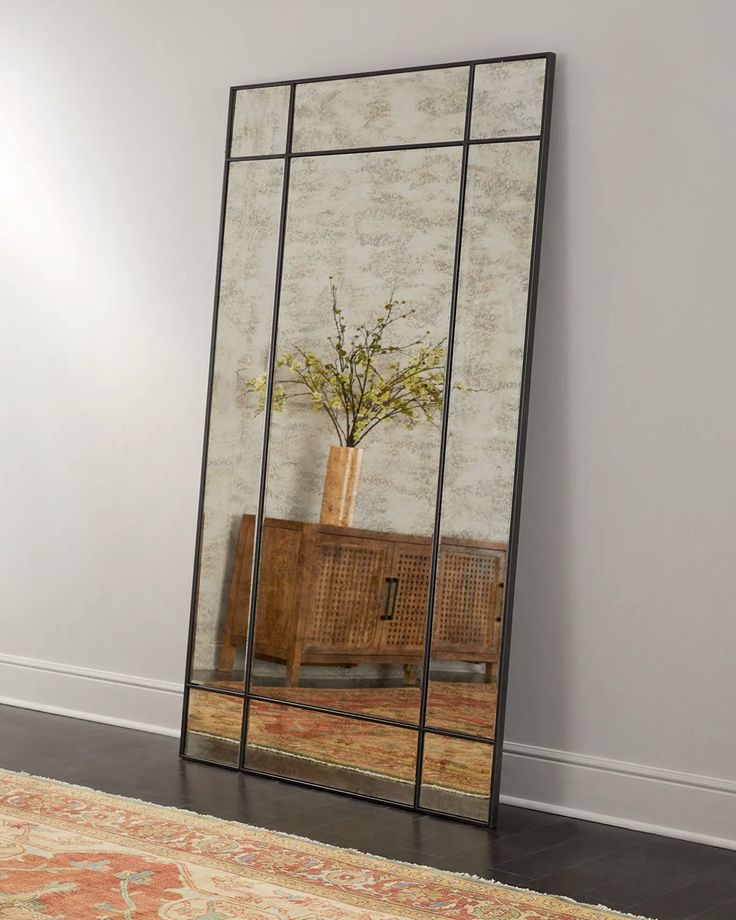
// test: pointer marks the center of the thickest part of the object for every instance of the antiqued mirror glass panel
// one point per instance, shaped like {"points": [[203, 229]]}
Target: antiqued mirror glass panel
{"points": [[417, 107], [235, 436], [361, 347], [507, 99], [456, 776], [260, 121], [332, 750], [377, 277], [480, 458], [214, 724]]}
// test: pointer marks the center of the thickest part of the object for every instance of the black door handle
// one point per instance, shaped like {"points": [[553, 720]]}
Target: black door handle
{"points": [[391, 592]]}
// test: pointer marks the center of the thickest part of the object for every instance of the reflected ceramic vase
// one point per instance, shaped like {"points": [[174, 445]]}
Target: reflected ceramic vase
{"points": [[341, 486]]}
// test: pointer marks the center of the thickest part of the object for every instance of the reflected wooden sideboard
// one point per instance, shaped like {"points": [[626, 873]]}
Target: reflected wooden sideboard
{"points": [[343, 596]]}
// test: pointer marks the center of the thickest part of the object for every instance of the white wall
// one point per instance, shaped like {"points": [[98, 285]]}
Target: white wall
{"points": [[623, 685]]}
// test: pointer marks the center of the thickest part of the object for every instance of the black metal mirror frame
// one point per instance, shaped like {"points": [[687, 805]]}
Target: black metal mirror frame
{"points": [[246, 694]]}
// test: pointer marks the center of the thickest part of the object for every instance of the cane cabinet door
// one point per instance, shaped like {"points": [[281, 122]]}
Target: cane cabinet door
{"points": [[469, 592], [350, 596], [405, 623]]}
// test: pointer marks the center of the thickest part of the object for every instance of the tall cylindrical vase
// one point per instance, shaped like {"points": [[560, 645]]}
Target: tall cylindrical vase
{"points": [[341, 486]]}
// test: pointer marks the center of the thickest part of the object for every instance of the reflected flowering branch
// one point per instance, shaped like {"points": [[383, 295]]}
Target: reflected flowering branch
{"points": [[364, 381]]}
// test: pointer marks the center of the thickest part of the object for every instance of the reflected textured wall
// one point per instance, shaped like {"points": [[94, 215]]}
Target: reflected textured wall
{"points": [[379, 223], [489, 340], [243, 335]]}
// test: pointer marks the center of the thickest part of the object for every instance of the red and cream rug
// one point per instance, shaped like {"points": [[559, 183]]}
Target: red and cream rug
{"points": [[70, 853]]}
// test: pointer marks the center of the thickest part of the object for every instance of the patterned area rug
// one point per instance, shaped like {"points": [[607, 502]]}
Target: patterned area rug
{"points": [[458, 706], [68, 853], [458, 766]]}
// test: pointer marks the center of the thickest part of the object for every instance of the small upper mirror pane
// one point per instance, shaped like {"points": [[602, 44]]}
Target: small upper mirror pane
{"points": [[421, 107], [260, 120], [507, 99]]}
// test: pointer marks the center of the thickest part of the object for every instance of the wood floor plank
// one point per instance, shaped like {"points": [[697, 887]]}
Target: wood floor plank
{"points": [[645, 874], [649, 858], [714, 890], [725, 911], [588, 842]]}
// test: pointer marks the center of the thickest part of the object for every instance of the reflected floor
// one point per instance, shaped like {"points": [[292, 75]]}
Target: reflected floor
{"points": [[278, 732], [454, 705]]}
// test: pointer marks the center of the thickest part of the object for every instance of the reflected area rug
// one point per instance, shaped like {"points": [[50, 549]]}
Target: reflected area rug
{"points": [[69, 853], [382, 750], [463, 707]]}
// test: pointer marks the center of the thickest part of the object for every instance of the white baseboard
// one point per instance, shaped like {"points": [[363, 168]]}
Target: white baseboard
{"points": [[651, 799], [643, 798], [97, 696]]}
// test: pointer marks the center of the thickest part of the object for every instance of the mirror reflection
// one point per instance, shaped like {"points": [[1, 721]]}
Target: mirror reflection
{"points": [[235, 438], [214, 723], [400, 279], [354, 435], [332, 750], [478, 480], [456, 776]]}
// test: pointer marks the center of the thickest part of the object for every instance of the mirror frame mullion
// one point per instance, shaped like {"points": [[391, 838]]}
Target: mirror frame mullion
{"points": [[206, 436], [447, 386], [524, 390], [267, 409]]}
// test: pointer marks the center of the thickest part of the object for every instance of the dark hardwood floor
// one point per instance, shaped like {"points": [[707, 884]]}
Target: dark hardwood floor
{"points": [[638, 873]]}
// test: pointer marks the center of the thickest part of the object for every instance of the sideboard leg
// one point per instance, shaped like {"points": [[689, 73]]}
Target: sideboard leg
{"points": [[226, 658], [293, 669], [411, 675]]}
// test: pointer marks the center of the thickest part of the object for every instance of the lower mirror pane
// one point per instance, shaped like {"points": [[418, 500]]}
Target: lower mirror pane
{"points": [[462, 700], [214, 722], [348, 754], [456, 776]]}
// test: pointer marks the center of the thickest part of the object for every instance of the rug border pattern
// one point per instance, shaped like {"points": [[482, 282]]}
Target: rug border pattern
{"points": [[15, 784]]}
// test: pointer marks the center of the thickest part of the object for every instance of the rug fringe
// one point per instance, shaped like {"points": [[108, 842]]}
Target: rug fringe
{"points": [[267, 830]]}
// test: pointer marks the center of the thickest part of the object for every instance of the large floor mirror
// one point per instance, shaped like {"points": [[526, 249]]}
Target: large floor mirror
{"points": [[364, 441]]}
